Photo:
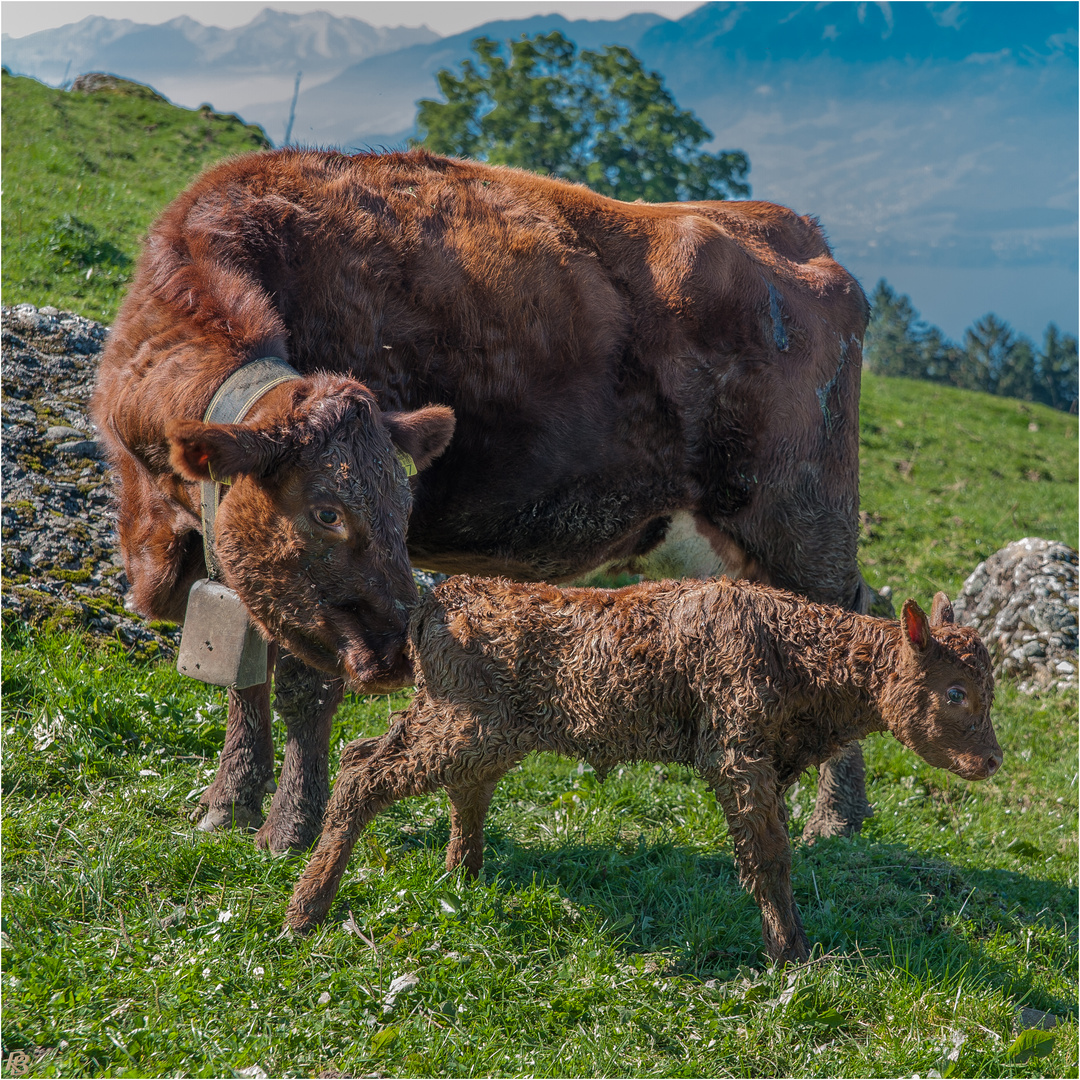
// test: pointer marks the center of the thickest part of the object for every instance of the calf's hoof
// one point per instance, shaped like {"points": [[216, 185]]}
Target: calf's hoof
{"points": [[230, 816], [301, 920]]}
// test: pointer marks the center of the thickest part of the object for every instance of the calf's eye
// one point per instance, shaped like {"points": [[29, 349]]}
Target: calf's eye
{"points": [[327, 517], [956, 695]]}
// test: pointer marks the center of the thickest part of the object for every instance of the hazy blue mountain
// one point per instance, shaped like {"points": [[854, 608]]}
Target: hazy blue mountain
{"points": [[384, 89], [865, 33], [314, 40], [936, 142], [191, 63]]}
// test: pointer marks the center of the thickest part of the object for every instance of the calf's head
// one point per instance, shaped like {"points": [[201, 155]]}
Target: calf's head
{"points": [[310, 531], [938, 697]]}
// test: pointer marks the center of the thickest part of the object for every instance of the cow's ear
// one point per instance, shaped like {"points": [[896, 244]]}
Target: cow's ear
{"points": [[941, 614], [423, 434], [916, 627], [219, 452]]}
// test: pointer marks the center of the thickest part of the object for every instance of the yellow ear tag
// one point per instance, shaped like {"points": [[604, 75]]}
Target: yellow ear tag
{"points": [[407, 463], [226, 481]]}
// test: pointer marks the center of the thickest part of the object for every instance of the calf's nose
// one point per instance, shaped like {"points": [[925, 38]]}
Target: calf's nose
{"points": [[993, 762]]}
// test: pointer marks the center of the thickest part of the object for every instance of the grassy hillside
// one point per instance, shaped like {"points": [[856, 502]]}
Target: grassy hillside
{"points": [[950, 476], [85, 174]]}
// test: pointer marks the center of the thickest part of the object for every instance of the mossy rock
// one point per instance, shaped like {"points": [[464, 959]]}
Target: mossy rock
{"points": [[99, 82]]}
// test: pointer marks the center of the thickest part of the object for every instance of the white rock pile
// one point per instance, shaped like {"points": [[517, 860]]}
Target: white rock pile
{"points": [[1023, 601]]}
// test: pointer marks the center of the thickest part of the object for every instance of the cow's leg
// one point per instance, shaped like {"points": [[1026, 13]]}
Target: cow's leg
{"points": [[468, 809], [306, 700], [246, 767], [376, 778], [814, 556]]}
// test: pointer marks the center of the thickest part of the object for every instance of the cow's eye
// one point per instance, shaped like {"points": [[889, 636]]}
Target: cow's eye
{"points": [[327, 517], [956, 695]]}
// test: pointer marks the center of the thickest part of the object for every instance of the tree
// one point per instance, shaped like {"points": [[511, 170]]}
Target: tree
{"points": [[596, 117], [898, 342], [893, 344], [990, 348], [1056, 383]]}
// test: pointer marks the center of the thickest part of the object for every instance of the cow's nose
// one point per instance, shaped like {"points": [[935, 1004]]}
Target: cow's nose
{"points": [[993, 763]]}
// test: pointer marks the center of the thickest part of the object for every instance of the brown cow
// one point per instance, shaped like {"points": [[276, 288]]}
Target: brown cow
{"points": [[669, 388], [748, 685]]}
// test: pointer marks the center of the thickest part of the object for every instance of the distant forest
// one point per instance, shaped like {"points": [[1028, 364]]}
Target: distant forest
{"points": [[992, 357]]}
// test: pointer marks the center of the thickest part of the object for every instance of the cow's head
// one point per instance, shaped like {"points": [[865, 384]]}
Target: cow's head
{"points": [[937, 701], [311, 529]]}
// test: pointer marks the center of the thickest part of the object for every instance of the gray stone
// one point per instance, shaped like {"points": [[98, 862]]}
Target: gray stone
{"points": [[1023, 601], [83, 448], [60, 433]]}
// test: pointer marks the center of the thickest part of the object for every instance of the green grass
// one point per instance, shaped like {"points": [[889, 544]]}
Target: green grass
{"points": [[608, 937], [949, 476], [85, 175]]}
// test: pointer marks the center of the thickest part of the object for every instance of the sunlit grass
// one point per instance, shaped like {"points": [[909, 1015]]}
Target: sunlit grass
{"points": [[608, 936], [85, 175]]}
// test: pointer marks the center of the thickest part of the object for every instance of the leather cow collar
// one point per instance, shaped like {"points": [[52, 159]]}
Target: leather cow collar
{"points": [[232, 402]]}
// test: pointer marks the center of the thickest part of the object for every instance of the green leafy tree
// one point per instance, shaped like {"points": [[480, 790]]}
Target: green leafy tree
{"points": [[893, 343], [598, 118]]}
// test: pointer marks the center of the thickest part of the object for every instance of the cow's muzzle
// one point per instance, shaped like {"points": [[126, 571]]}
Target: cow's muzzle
{"points": [[377, 666]]}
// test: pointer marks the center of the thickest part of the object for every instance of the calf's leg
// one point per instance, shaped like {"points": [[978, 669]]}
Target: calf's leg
{"points": [[306, 700], [468, 809], [246, 767], [755, 815], [374, 782]]}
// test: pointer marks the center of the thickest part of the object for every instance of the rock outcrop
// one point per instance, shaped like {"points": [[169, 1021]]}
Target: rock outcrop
{"points": [[1023, 602], [59, 558]]}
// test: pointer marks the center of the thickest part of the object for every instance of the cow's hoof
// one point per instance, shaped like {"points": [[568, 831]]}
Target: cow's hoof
{"points": [[232, 816], [825, 822], [281, 838]]}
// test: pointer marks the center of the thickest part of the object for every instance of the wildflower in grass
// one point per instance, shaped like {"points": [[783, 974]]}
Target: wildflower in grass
{"points": [[224, 916]]}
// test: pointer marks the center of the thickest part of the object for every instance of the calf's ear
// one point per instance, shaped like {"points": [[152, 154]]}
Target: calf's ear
{"points": [[423, 434], [219, 452], [941, 614], [916, 627]]}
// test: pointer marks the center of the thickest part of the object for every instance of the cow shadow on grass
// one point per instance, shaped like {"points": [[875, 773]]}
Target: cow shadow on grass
{"points": [[677, 910]]}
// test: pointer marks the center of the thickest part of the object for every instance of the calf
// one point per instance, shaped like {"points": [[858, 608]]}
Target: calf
{"points": [[746, 683]]}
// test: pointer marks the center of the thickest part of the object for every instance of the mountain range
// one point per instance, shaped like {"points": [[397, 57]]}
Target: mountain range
{"points": [[936, 142]]}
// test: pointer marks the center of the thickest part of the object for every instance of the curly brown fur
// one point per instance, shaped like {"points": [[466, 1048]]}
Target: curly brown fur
{"points": [[747, 684]]}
